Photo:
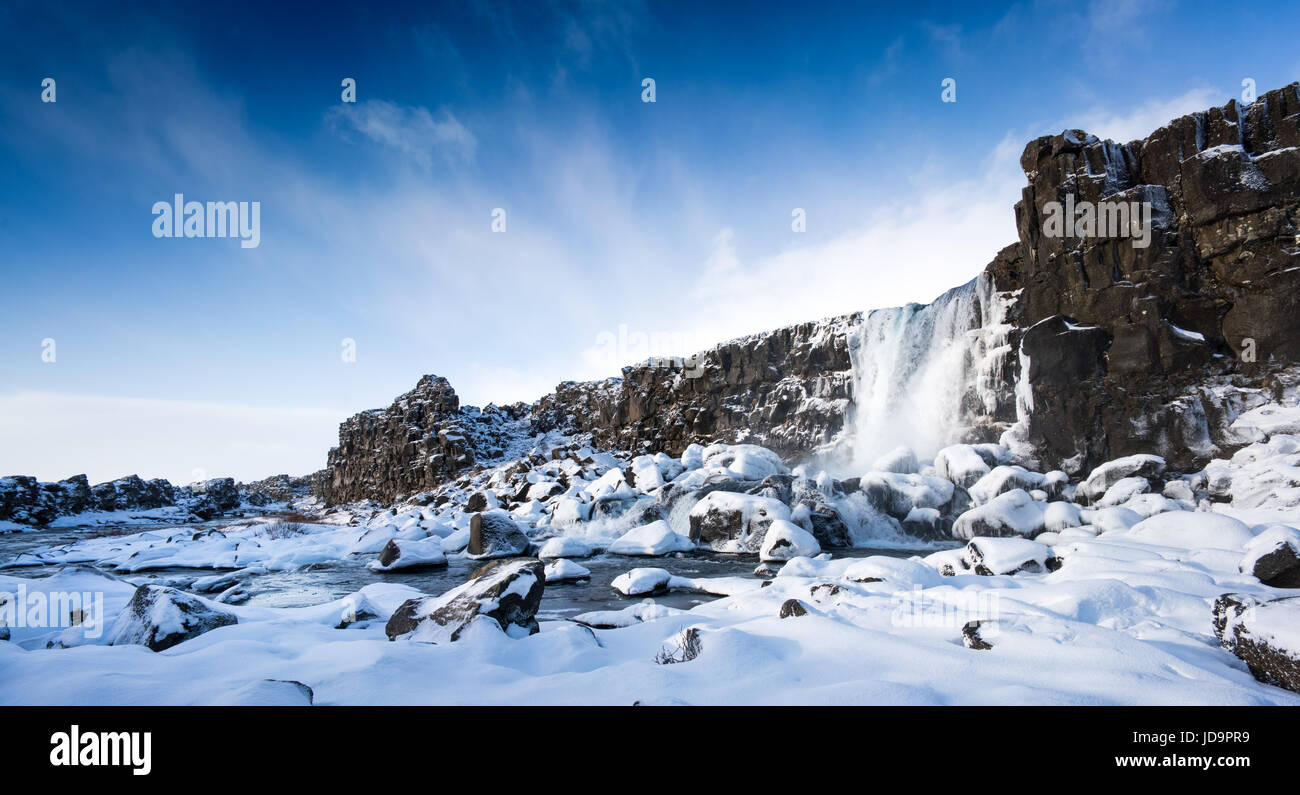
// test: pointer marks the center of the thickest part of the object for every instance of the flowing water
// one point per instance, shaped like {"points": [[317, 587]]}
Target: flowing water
{"points": [[320, 583], [922, 373]]}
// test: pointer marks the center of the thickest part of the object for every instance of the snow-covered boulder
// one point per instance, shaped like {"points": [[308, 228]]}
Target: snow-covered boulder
{"points": [[1013, 513], [897, 494], [744, 461], [993, 556], [1274, 557], [901, 460], [506, 593], [1263, 634], [646, 474], [1002, 479], [727, 520], [692, 457], [159, 617], [643, 582], [1059, 515], [495, 535], [563, 570], [926, 523], [1123, 490], [1111, 472], [786, 540], [962, 464], [656, 538], [900, 572], [565, 547], [1108, 520], [396, 555], [1194, 530], [569, 511]]}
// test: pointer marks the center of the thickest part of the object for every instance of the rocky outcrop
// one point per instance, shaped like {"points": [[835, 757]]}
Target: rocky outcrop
{"points": [[423, 439], [788, 390], [25, 500], [1131, 348]]}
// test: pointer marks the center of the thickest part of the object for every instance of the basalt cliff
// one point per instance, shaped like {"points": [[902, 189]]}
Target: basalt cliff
{"points": [[1072, 349]]}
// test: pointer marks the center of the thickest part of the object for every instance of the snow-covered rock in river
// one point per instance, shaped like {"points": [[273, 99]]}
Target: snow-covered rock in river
{"points": [[506, 593], [729, 521], [563, 570], [565, 547], [963, 464], [1012, 513], [786, 540], [897, 494], [495, 535], [159, 617], [404, 554], [643, 582], [656, 538]]}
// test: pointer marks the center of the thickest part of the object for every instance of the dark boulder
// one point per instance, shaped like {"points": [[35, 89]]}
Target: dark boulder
{"points": [[1244, 626], [159, 618], [505, 592], [495, 535]]}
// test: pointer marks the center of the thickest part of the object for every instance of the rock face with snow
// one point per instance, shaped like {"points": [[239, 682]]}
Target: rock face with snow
{"points": [[422, 440], [159, 617], [787, 390], [1137, 349], [504, 592], [1264, 634]]}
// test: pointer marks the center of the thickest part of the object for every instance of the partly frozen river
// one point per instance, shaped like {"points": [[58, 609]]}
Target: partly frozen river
{"points": [[324, 582]]}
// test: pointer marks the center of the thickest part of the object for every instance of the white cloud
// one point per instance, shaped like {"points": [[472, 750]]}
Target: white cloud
{"points": [[413, 131], [54, 436]]}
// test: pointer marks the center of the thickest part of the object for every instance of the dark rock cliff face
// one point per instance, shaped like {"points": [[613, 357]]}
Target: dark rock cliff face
{"points": [[788, 390], [1136, 349]]}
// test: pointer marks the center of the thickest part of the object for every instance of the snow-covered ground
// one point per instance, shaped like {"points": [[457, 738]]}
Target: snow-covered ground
{"points": [[1106, 600]]}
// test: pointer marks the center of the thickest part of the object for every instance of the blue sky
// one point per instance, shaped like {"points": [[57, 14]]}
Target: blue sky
{"points": [[178, 357]]}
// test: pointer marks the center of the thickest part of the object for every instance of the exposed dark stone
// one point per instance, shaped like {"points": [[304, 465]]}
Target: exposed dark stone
{"points": [[792, 608], [495, 535], [970, 637], [1279, 567], [150, 619], [1234, 617], [492, 592]]}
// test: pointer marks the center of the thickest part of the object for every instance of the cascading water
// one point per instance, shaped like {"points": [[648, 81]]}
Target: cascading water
{"points": [[922, 373]]}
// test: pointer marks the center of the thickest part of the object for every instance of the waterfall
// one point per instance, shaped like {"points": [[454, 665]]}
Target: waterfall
{"points": [[924, 373]]}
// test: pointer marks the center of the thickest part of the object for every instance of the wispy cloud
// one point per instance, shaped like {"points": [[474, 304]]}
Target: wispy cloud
{"points": [[416, 132]]}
